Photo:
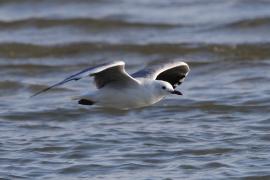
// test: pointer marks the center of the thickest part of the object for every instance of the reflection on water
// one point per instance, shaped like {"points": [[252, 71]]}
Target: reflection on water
{"points": [[217, 130]]}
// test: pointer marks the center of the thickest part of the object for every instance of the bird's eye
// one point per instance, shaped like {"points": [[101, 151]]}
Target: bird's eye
{"points": [[163, 87]]}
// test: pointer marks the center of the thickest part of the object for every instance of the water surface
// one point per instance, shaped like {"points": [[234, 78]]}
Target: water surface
{"points": [[219, 129]]}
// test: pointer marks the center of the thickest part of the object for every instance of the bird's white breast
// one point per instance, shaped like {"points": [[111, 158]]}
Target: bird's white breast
{"points": [[126, 98]]}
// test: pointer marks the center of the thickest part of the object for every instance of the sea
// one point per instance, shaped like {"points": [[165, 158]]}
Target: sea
{"points": [[218, 130]]}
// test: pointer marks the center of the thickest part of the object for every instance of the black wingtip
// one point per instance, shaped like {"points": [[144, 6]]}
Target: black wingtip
{"points": [[57, 84], [39, 92]]}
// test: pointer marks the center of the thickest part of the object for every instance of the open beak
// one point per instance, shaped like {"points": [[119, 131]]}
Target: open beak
{"points": [[176, 92]]}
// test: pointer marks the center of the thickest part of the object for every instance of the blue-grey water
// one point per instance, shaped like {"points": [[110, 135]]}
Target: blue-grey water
{"points": [[219, 129]]}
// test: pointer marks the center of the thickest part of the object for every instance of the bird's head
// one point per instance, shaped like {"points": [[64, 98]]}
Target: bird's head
{"points": [[166, 88]]}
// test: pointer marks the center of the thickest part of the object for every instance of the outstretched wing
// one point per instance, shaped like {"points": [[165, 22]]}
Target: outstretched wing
{"points": [[103, 74], [172, 72]]}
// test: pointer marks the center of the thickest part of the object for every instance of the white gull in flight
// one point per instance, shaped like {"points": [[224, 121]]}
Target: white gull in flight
{"points": [[117, 89]]}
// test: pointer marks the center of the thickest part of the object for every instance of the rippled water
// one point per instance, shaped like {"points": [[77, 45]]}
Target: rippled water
{"points": [[219, 129]]}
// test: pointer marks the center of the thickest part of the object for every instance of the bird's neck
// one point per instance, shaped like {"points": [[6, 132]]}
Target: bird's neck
{"points": [[152, 92]]}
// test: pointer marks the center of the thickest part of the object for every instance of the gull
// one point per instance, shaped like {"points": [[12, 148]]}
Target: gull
{"points": [[118, 89]]}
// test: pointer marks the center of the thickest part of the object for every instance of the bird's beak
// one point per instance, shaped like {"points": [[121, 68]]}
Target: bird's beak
{"points": [[176, 92]]}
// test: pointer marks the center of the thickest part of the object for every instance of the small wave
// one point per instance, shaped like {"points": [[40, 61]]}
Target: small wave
{"points": [[76, 169], [100, 23], [48, 149], [8, 85], [8, 88], [30, 2], [202, 152], [239, 51], [252, 80], [214, 165], [257, 177], [52, 113], [250, 23], [189, 167]]}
